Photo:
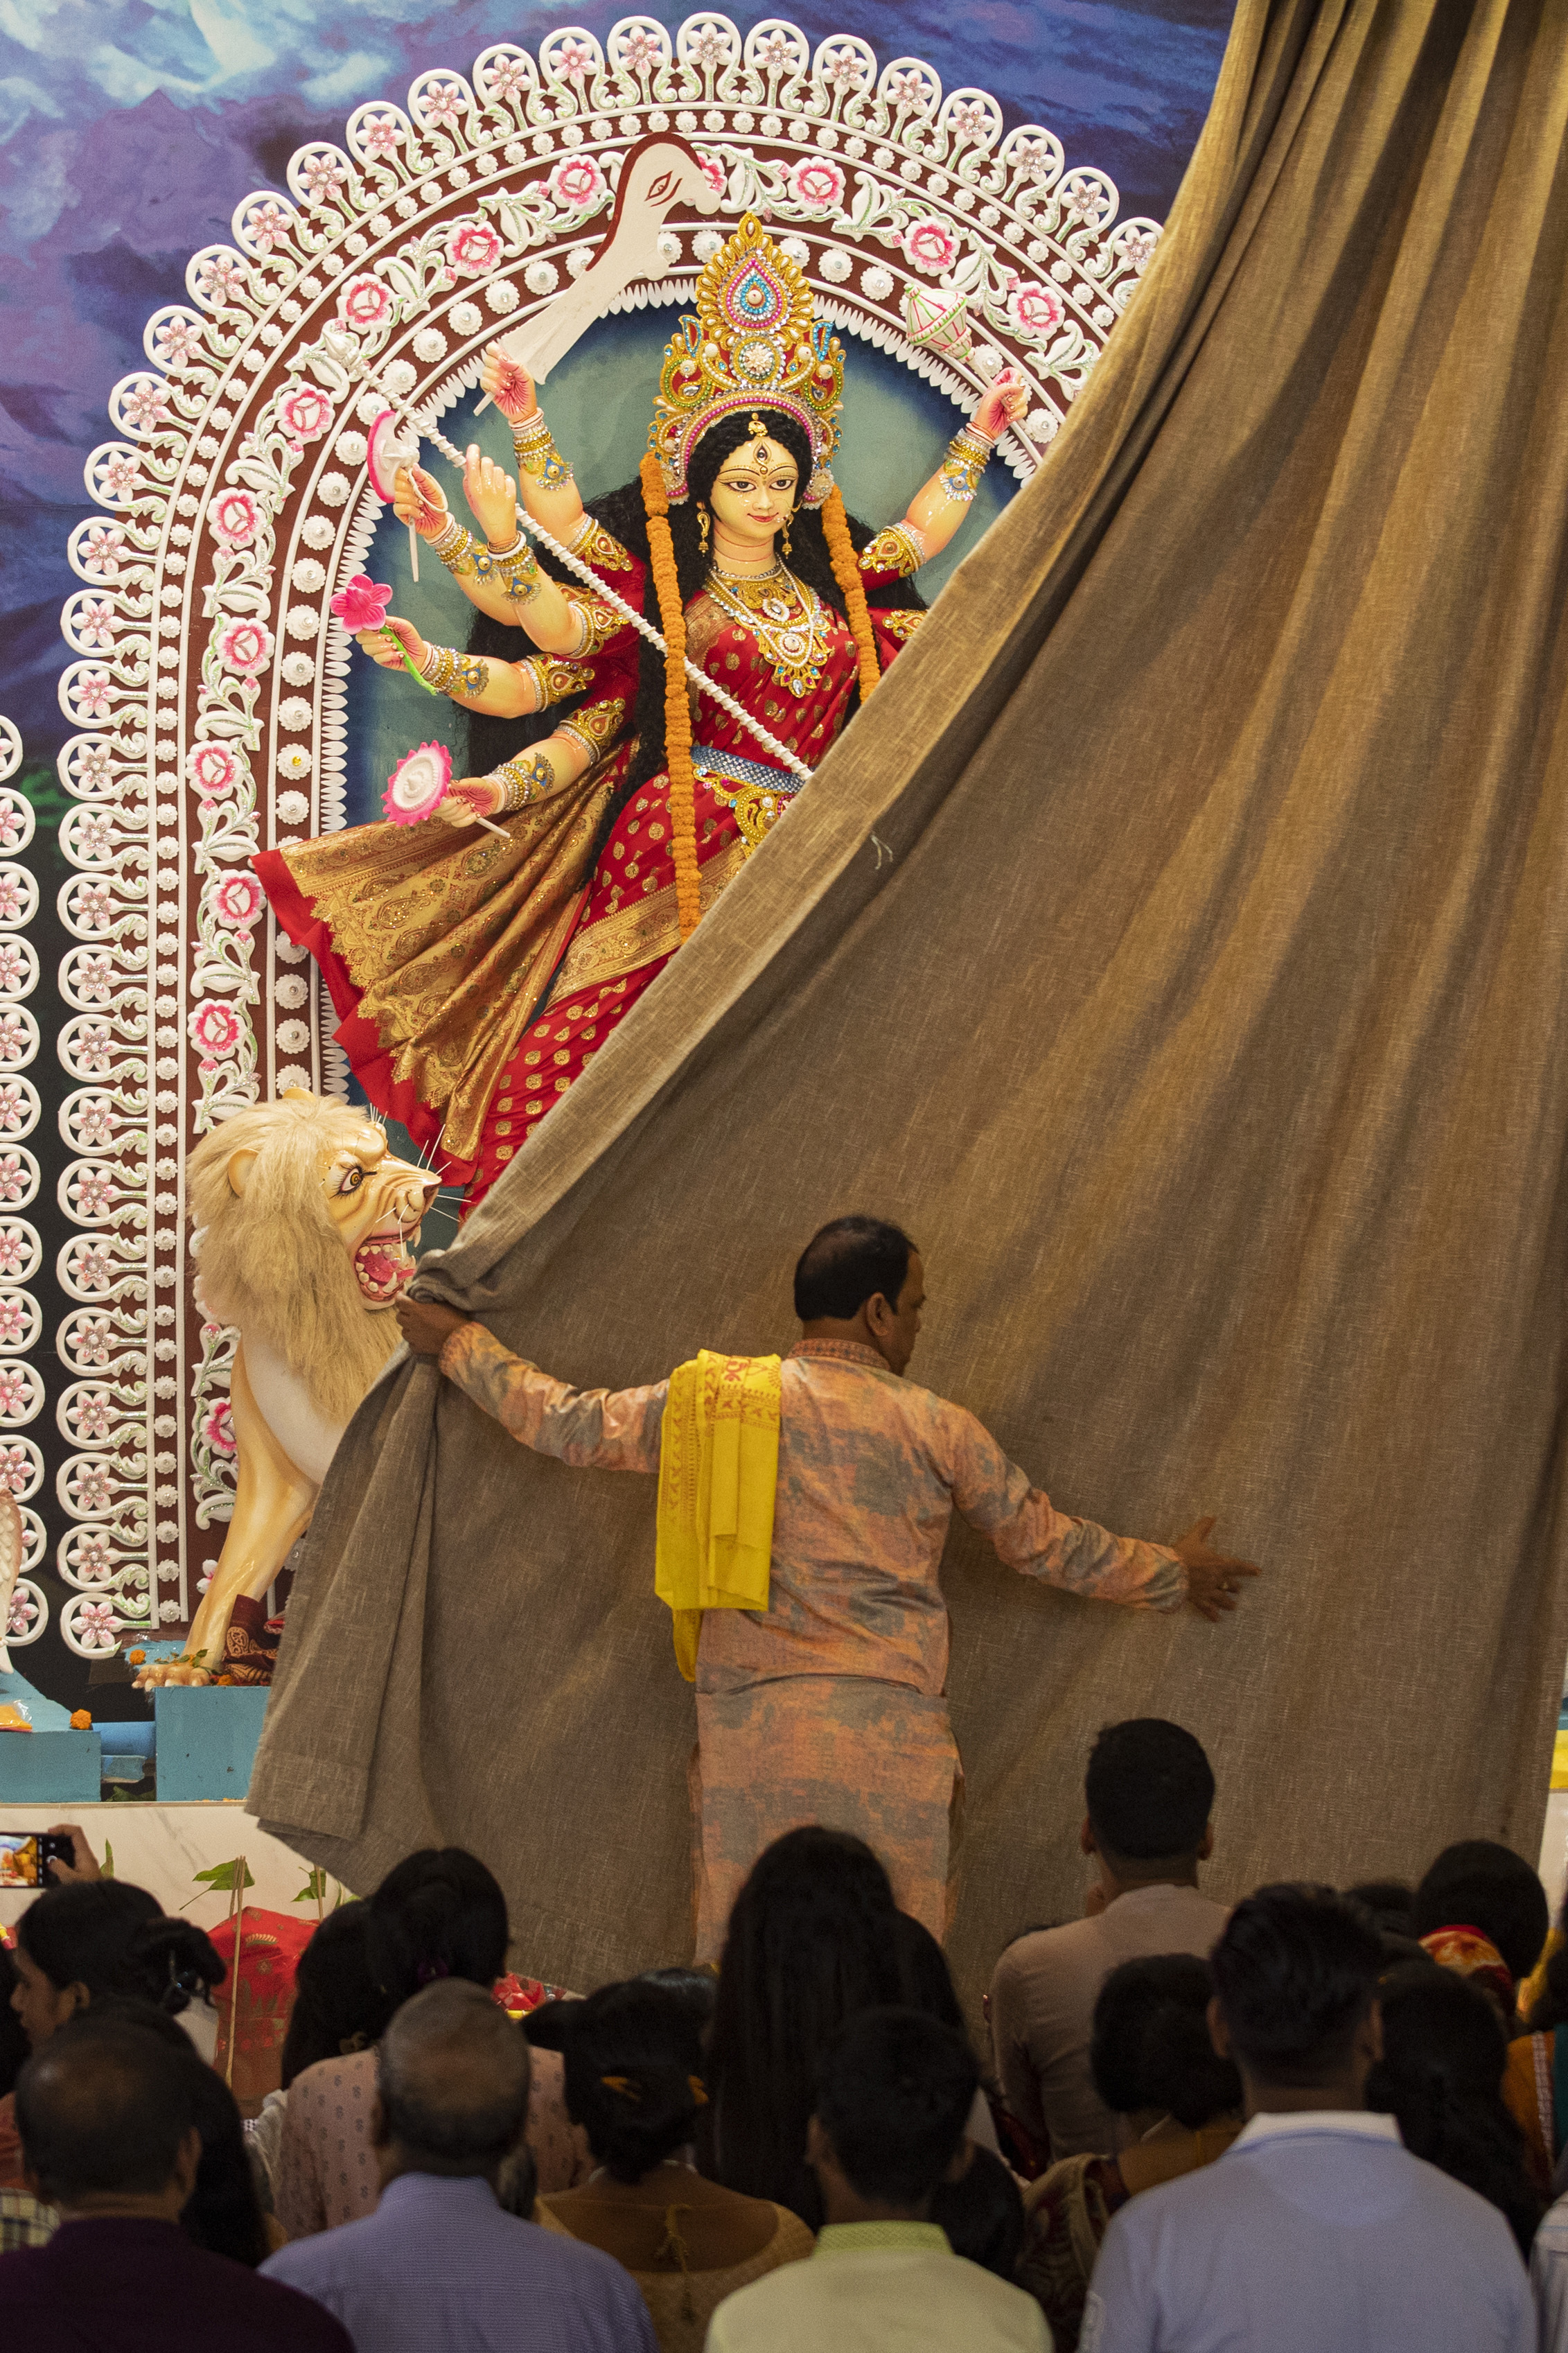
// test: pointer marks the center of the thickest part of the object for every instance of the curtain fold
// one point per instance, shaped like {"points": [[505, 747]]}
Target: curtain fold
{"points": [[1180, 957]]}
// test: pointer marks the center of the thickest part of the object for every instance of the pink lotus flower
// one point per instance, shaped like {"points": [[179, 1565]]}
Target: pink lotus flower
{"points": [[474, 248], [305, 413], [238, 901], [234, 518], [1034, 310], [931, 245], [211, 770], [215, 1031], [218, 1427], [364, 303], [575, 181], [362, 605], [816, 183], [246, 647]]}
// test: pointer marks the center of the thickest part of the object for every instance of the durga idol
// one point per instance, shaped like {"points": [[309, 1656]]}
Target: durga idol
{"points": [[474, 974]]}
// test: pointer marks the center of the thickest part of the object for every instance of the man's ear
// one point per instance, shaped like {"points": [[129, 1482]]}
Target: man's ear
{"points": [[879, 1317], [186, 2164], [379, 2136], [1369, 2035], [960, 2160], [1219, 2032], [240, 1164], [1086, 1838], [1206, 1844]]}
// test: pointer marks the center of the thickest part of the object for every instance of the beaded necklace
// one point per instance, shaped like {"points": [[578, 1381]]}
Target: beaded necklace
{"points": [[790, 622]]}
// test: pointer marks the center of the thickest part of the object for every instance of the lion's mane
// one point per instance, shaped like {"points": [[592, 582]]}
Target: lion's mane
{"points": [[271, 1260]]}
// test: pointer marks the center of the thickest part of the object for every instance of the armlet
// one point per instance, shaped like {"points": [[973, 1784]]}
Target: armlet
{"points": [[900, 550]]}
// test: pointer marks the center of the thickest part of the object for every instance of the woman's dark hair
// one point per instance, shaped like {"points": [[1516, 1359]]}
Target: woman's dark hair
{"points": [[1296, 1970], [114, 1940], [983, 2214], [847, 1261], [12, 2035], [633, 2075], [1479, 1884], [437, 1914], [547, 2027], [1391, 1901], [624, 515], [338, 2005], [811, 1939], [224, 2212], [1149, 2046], [1443, 2050]]}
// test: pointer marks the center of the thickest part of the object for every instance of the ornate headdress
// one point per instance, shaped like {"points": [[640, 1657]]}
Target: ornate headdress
{"points": [[753, 344]]}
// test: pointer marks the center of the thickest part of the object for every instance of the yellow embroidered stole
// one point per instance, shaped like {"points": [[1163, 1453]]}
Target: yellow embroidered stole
{"points": [[718, 1471]]}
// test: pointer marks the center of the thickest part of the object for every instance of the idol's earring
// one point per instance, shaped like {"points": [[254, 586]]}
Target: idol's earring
{"points": [[702, 529], [788, 519]]}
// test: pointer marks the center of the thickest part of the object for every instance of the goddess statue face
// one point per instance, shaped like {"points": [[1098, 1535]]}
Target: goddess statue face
{"points": [[755, 490]]}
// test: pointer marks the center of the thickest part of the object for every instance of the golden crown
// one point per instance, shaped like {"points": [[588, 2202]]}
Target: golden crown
{"points": [[753, 344]]}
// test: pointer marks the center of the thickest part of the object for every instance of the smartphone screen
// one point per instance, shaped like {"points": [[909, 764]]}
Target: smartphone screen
{"points": [[26, 1855]]}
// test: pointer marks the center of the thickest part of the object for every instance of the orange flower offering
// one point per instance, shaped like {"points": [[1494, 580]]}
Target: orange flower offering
{"points": [[81, 1720], [135, 1658]]}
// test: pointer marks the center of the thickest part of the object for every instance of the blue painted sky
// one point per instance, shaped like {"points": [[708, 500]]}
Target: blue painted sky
{"points": [[130, 128]]}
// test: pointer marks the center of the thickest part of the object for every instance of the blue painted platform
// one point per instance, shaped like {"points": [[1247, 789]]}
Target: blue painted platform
{"points": [[207, 1739], [50, 1769]]}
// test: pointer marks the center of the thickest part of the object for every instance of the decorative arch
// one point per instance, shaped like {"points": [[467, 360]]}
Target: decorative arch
{"points": [[206, 682]]}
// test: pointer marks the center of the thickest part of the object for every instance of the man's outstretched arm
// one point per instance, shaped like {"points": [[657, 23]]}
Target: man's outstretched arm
{"points": [[598, 1429], [1031, 1535]]}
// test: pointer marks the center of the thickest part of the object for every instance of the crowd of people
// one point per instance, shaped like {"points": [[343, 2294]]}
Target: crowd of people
{"points": [[1317, 2118]]}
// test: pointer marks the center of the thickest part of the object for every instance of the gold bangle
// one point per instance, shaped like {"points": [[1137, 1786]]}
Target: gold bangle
{"points": [[450, 672], [967, 455], [521, 780], [514, 570], [455, 549], [537, 454]]}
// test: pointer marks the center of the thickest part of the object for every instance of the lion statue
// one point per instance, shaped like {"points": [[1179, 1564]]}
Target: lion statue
{"points": [[303, 1228]]}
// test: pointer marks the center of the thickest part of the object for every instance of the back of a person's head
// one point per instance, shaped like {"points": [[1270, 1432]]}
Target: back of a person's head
{"points": [[223, 2213], [1390, 1902], [925, 1979], [1149, 1792], [1444, 2051], [1296, 1970], [1478, 1884], [983, 2214], [453, 2076], [437, 1914], [12, 2035], [104, 2109], [633, 2075], [338, 2005], [894, 2090], [1151, 2048], [811, 1939], [698, 1988], [846, 1262], [113, 1939]]}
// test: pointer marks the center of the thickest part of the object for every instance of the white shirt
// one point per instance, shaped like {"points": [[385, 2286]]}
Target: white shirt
{"points": [[879, 2287], [1549, 2277]]}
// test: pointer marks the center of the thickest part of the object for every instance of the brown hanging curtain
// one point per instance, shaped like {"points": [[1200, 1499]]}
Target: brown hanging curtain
{"points": [[1202, 1024]]}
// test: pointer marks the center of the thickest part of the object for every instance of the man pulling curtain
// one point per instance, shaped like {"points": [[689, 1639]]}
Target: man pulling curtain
{"points": [[821, 1662]]}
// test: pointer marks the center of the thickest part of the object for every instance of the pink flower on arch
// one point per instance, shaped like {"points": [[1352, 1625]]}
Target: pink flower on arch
{"points": [[92, 693], [931, 245], [214, 1030], [362, 605], [816, 183], [23, 1611], [211, 769], [95, 621], [1034, 310], [305, 413], [234, 518], [92, 1340], [246, 647], [474, 248], [383, 136], [238, 901], [218, 1427], [575, 181], [364, 303], [97, 1626], [15, 1393], [16, 1469], [13, 900], [712, 172], [15, 1108]]}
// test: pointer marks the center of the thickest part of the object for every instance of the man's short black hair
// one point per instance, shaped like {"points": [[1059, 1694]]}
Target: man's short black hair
{"points": [[894, 2095], [1149, 1789], [1149, 2046], [1479, 1884], [1296, 1970], [103, 2107], [847, 1261]]}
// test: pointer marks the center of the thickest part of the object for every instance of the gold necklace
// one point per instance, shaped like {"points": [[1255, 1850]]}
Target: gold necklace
{"points": [[790, 622]]}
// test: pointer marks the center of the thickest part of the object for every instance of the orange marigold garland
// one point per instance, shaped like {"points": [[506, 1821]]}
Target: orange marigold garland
{"points": [[846, 572], [676, 708]]}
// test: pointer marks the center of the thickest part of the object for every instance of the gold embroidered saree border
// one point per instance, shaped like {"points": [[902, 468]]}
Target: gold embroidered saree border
{"points": [[628, 940]]}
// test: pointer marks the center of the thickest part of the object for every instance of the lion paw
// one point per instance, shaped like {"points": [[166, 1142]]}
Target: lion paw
{"points": [[165, 1672]]}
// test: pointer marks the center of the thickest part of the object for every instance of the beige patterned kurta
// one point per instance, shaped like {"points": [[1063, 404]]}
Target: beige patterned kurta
{"points": [[828, 1706]]}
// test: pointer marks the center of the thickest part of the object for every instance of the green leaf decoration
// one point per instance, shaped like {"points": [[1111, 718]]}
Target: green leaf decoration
{"points": [[314, 1891], [106, 1869], [222, 1880]]}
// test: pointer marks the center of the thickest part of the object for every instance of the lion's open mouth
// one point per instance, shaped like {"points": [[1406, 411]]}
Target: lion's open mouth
{"points": [[383, 1264]]}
